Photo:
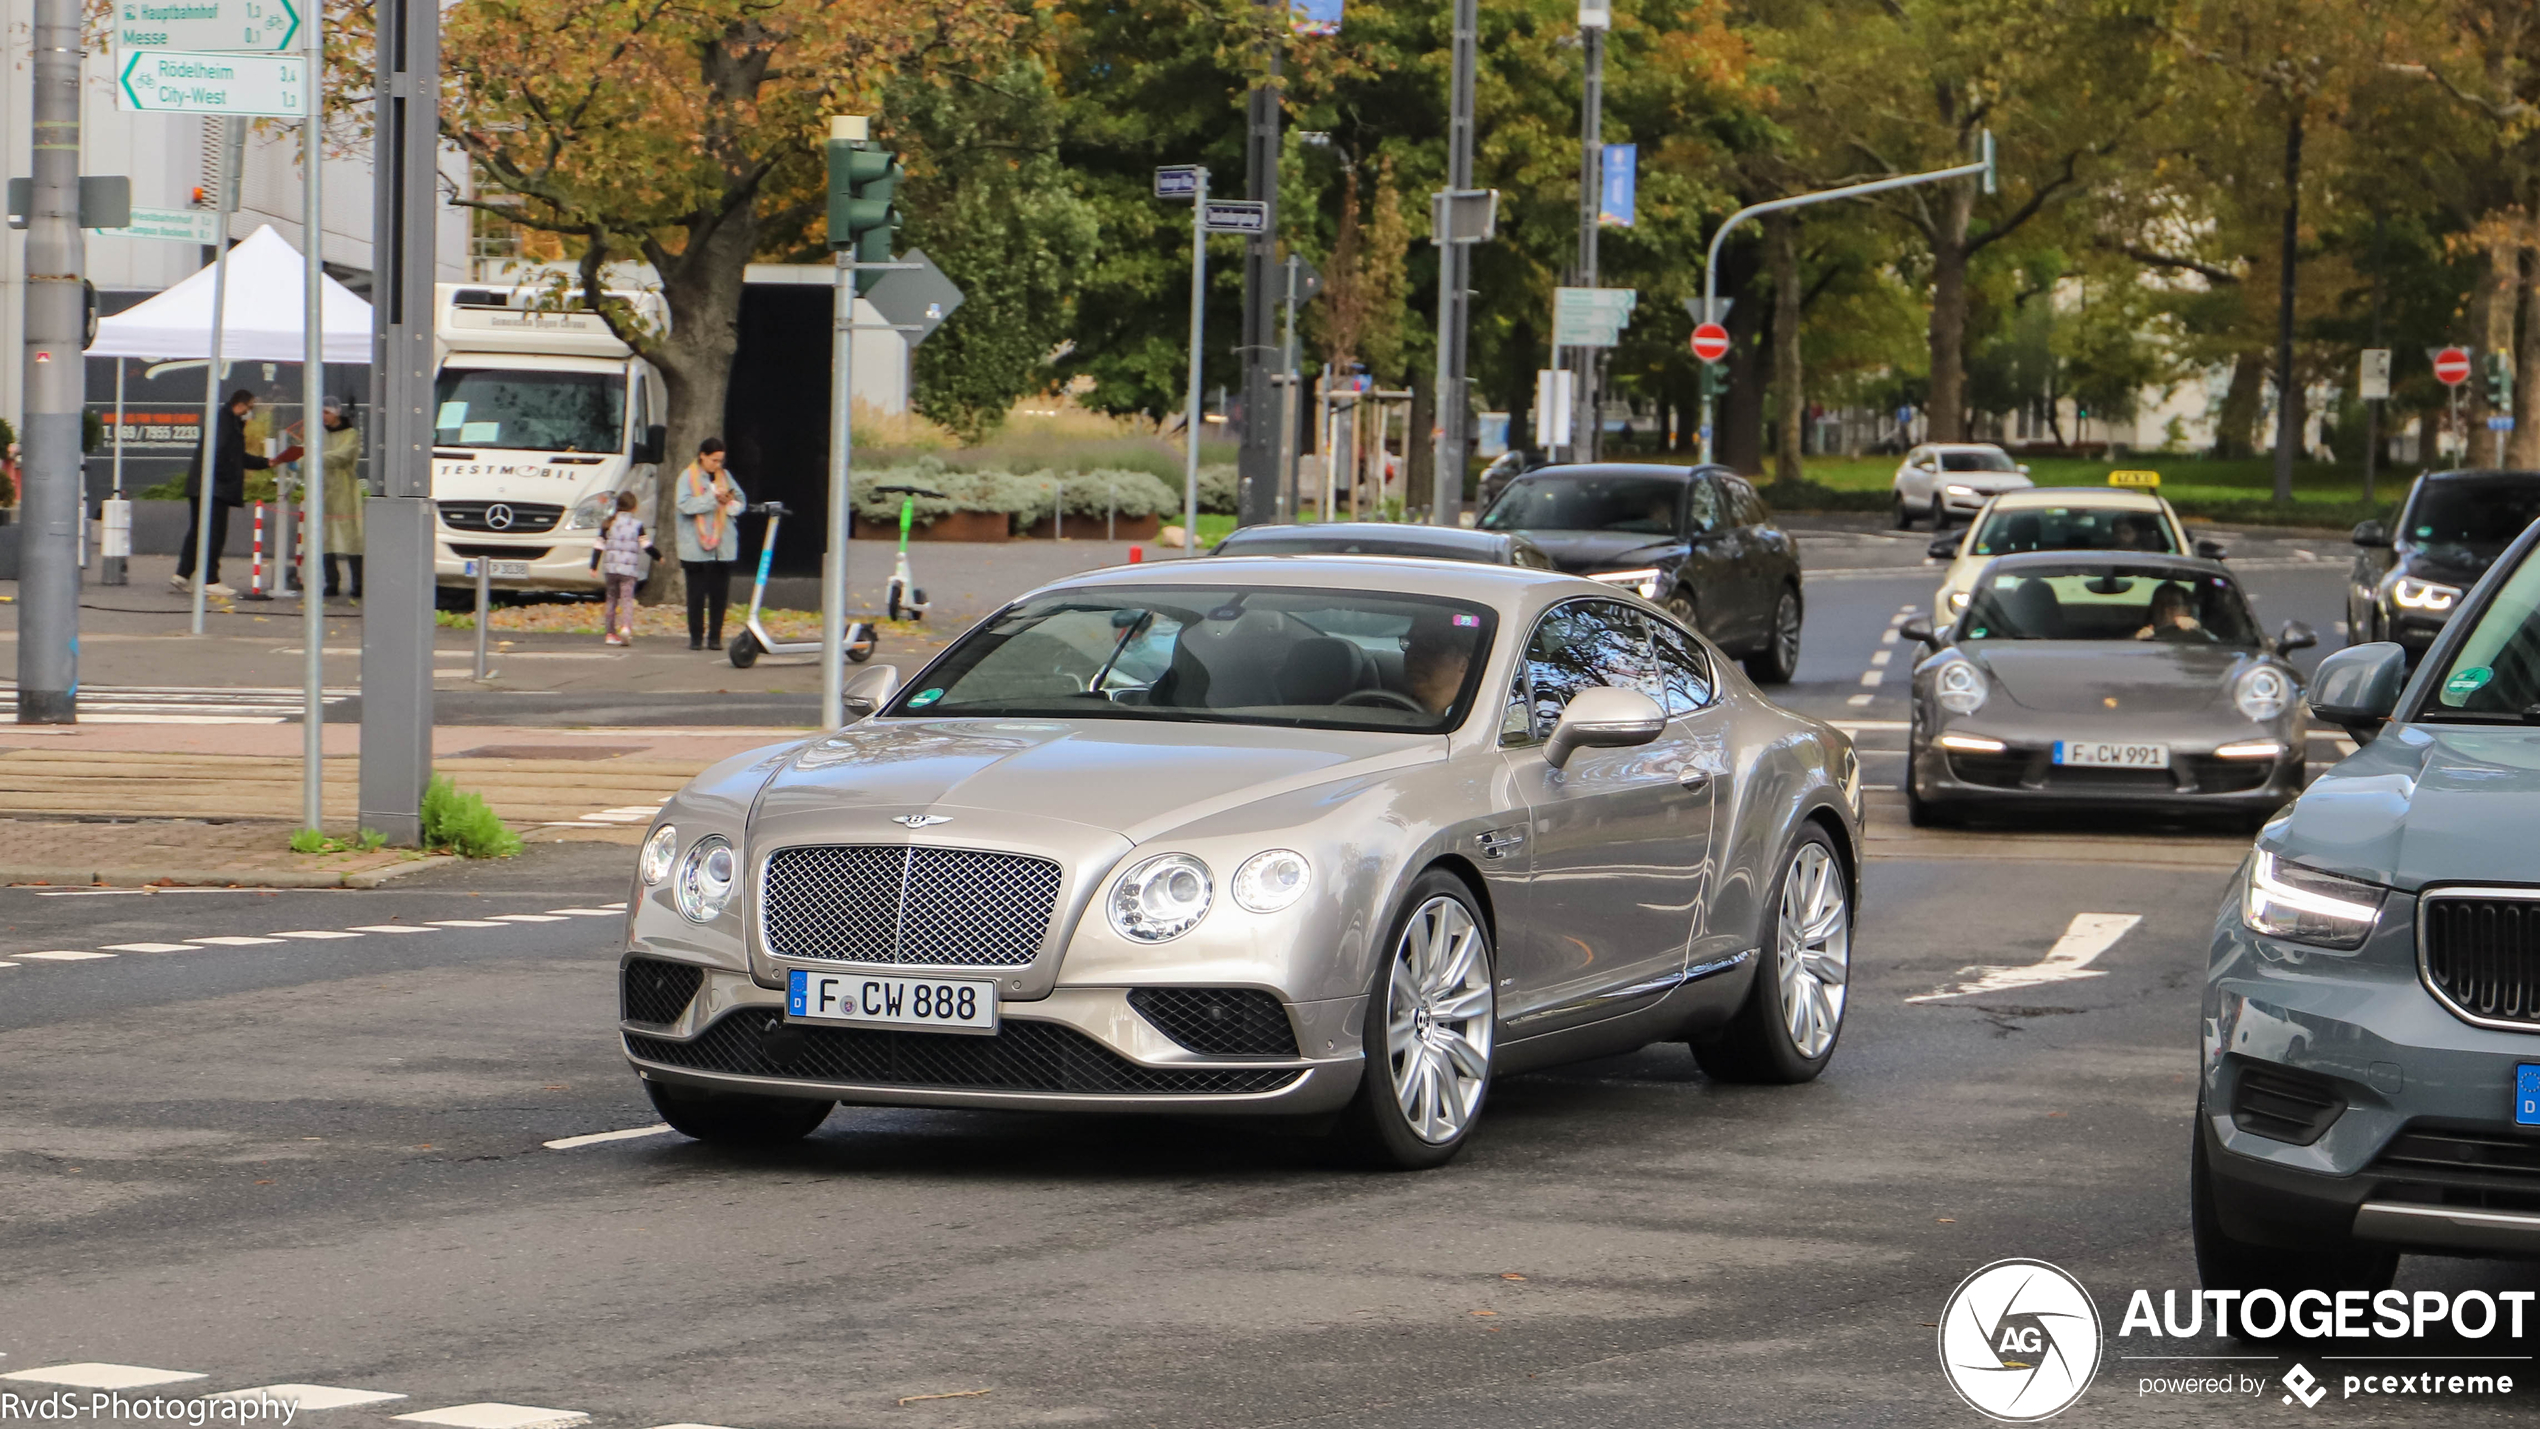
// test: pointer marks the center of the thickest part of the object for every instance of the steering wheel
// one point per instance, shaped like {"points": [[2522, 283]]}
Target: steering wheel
{"points": [[1383, 697]]}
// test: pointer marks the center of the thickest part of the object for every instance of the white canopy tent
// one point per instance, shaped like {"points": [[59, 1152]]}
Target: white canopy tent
{"points": [[260, 321]]}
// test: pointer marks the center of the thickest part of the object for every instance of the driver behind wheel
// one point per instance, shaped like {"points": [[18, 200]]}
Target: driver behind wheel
{"points": [[2171, 616], [1435, 656]]}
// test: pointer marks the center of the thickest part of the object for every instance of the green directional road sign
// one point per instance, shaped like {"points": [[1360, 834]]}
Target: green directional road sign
{"points": [[175, 225], [193, 82], [253, 26], [1591, 317]]}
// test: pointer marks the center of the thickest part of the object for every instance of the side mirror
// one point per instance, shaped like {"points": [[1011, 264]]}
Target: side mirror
{"points": [[1943, 548], [2212, 550], [1919, 631], [2358, 687], [648, 452], [871, 688], [2295, 636], [1606, 717], [2371, 533]]}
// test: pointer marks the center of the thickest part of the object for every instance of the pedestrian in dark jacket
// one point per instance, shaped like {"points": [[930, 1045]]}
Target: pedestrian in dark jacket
{"points": [[231, 461]]}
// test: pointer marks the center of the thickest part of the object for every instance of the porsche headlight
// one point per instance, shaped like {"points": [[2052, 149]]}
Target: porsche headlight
{"points": [[591, 510], [1161, 899], [2413, 594], [1960, 687], [1957, 602], [1271, 880], [659, 851], [707, 878], [2263, 693], [2304, 905]]}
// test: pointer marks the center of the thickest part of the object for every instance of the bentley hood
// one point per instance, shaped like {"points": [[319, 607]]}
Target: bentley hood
{"points": [[2095, 676], [2424, 803], [1584, 553], [1131, 777]]}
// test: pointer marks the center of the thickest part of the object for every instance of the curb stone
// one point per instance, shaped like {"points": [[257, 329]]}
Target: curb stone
{"points": [[218, 878]]}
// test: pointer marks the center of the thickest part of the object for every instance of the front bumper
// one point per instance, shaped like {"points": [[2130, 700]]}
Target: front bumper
{"points": [[2420, 1149], [2024, 773], [558, 560], [2414, 630]]}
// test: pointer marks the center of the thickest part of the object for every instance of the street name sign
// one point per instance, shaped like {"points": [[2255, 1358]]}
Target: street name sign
{"points": [[175, 225], [1710, 342], [1177, 181], [253, 26], [2451, 366], [1235, 215], [198, 82]]}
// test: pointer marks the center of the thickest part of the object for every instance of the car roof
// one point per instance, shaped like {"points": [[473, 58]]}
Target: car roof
{"points": [[2115, 498], [1963, 447], [2482, 473], [1503, 587], [1486, 544], [1583, 470], [2183, 565]]}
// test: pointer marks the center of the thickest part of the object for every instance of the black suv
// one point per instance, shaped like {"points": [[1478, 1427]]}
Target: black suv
{"points": [[2408, 581]]}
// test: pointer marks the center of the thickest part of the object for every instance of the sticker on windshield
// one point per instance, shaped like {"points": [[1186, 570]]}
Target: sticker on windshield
{"points": [[474, 432], [924, 697], [1468, 620], [2465, 683], [452, 413]]}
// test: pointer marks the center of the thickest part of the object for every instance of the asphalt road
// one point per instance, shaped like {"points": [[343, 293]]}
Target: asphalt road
{"points": [[322, 1161]]}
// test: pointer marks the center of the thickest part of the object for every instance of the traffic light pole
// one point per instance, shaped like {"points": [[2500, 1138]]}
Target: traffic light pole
{"points": [[56, 385], [1592, 25], [1191, 414], [1257, 470], [1455, 284], [1982, 168]]}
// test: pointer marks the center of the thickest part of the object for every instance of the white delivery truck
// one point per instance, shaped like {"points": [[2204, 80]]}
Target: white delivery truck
{"points": [[543, 417]]}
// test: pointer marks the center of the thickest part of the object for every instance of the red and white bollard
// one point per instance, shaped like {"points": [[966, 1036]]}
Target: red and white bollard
{"points": [[256, 568]]}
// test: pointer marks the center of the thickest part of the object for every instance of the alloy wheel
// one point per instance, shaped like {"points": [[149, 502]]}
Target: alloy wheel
{"points": [[1814, 952], [1786, 632], [1438, 1016]]}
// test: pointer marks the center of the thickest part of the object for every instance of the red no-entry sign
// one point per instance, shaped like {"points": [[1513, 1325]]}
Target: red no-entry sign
{"points": [[1711, 343], [2451, 366]]}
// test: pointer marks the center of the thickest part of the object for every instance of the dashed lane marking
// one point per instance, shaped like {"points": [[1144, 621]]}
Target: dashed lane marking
{"points": [[149, 947], [632, 1133], [1857, 701], [529, 918], [64, 956], [91, 1375], [312, 1396], [2088, 935], [1872, 677], [233, 940], [392, 928], [591, 912], [315, 933], [465, 923], [497, 1416]]}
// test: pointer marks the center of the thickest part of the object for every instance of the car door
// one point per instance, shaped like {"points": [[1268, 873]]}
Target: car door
{"points": [[1913, 479], [1616, 841], [1764, 558], [1706, 577]]}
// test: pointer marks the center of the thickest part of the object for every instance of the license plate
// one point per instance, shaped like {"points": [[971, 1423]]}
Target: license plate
{"points": [[2527, 1094], [519, 569], [2112, 754], [941, 1004]]}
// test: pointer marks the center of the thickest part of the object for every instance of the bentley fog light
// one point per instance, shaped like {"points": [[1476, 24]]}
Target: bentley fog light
{"points": [[1272, 880], [707, 877], [2304, 905], [2263, 693], [2414, 594], [1160, 899], [1959, 686], [659, 850]]}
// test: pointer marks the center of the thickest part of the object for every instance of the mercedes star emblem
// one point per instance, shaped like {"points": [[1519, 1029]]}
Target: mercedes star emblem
{"points": [[498, 517]]}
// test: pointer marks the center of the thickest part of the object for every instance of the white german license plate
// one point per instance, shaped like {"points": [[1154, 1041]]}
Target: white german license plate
{"points": [[519, 569], [942, 1004], [2112, 754]]}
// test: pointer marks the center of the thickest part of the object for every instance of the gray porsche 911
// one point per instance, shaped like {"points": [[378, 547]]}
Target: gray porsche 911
{"points": [[1291, 835], [2073, 679]]}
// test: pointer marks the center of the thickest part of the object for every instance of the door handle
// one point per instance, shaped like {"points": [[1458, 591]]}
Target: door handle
{"points": [[1694, 778]]}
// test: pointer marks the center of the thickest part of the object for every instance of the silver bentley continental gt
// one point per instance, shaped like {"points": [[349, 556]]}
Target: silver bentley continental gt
{"points": [[1331, 838]]}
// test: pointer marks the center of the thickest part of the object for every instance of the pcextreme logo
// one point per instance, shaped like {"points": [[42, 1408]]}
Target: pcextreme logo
{"points": [[2019, 1340]]}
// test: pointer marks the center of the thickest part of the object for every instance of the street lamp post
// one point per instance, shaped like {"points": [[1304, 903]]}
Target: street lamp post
{"points": [[1455, 280]]}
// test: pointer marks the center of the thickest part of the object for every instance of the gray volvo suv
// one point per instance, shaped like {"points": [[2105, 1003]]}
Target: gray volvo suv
{"points": [[2371, 1069]]}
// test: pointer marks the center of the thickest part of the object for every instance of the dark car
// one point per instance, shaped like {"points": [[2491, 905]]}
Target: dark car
{"points": [[2371, 1061], [2408, 580], [1697, 540], [2079, 678], [1383, 538]]}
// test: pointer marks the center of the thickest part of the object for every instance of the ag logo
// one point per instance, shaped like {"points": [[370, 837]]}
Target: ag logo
{"points": [[2019, 1341]]}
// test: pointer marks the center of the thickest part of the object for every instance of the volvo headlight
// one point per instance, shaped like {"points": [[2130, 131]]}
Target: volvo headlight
{"points": [[1643, 581], [1271, 880], [707, 878], [659, 850], [2413, 594], [2263, 693], [1960, 687], [2304, 905], [591, 510], [1161, 899]]}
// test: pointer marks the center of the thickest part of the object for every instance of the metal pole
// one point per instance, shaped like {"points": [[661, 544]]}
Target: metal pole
{"points": [[1257, 468], [1455, 273], [56, 389], [111, 553], [2372, 406], [484, 610], [1288, 401], [1199, 315], [233, 138], [1058, 513], [833, 562], [312, 545], [1583, 432]]}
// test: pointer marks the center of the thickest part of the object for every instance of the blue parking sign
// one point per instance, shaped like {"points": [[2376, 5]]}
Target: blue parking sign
{"points": [[2527, 1094]]}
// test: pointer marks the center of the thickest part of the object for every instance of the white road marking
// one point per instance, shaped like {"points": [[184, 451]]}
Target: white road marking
{"points": [[497, 1416], [591, 912], [1872, 677], [318, 933], [103, 1376], [1907, 609], [632, 1133], [150, 947], [66, 957], [1890, 635], [612, 907], [688, 1426], [529, 918], [465, 923], [1881, 657], [1857, 700], [391, 928], [1869, 726], [2089, 935], [7, 965], [312, 1396], [233, 941]]}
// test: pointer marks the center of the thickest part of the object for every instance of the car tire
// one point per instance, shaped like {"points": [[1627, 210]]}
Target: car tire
{"points": [[736, 1118], [2226, 1263], [744, 650], [1805, 970], [1681, 606], [1904, 518], [1779, 659], [1920, 812], [1403, 1118]]}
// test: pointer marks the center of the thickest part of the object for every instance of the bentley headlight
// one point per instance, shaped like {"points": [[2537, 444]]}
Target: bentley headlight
{"points": [[2263, 693], [1960, 687], [2413, 594], [2304, 905], [591, 510], [659, 850], [1271, 880], [707, 877], [1160, 899]]}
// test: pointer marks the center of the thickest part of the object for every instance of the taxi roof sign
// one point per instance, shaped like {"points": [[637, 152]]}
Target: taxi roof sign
{"points": [[2134, 478]]}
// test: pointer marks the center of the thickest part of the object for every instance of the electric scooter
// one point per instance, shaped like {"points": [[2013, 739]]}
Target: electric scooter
{"points": [[905, 600], [754, 641]]}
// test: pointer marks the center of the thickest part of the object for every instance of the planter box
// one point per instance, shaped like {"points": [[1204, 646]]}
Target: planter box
{"points": [[1091, 528], [951, 526]]}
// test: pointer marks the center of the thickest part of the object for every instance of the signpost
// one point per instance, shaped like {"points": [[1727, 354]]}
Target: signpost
{"points": [[1591, 317], [175, 225], [1710, 342], [1191, 181], [1234, 215], [271, 26], [204, 82]]}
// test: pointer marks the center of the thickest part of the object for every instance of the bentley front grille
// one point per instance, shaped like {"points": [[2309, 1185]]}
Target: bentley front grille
{"points": [[896, 903]]}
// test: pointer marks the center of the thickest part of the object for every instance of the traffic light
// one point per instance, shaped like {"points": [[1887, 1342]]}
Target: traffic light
{"points": [[864, 178], [2500, 382], [1715, 380]]}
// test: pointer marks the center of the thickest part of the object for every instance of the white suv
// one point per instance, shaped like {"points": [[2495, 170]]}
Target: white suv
{"points": [[1940, 481]]}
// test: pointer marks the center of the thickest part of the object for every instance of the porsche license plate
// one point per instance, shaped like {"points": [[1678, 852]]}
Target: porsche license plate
{"points": [[869, 1000], [2112, 754]]}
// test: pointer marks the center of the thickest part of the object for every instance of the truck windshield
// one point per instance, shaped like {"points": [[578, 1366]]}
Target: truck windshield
{"points": [[530, 411]]}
